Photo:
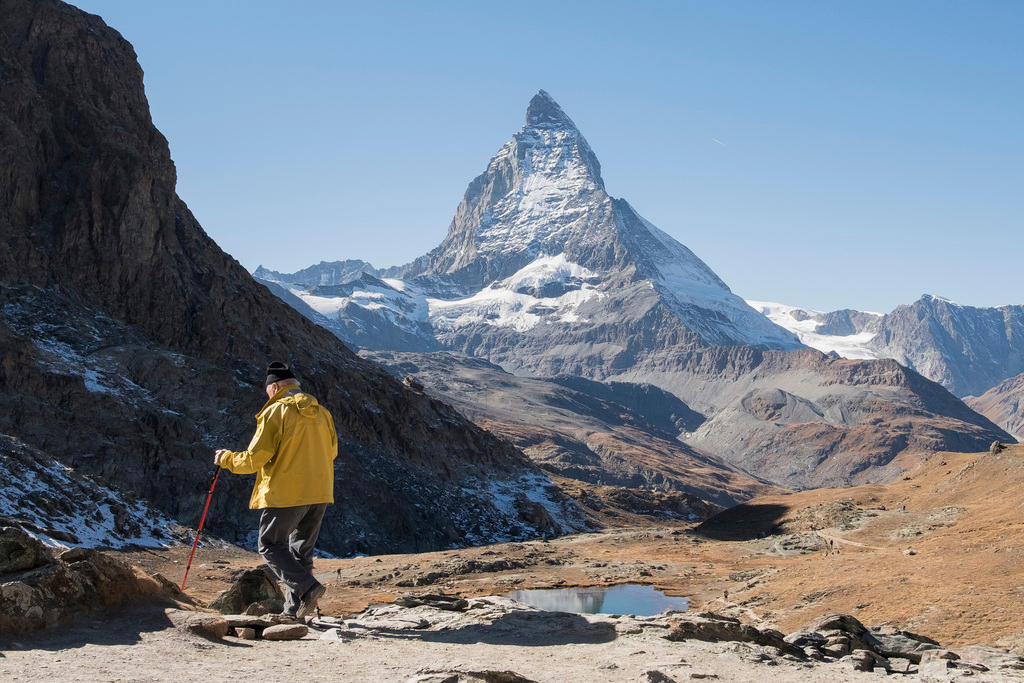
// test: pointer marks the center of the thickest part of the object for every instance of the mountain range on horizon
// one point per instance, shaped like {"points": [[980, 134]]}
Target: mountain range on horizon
{"points": [[523, 258], [545, 275], [967, 349]]}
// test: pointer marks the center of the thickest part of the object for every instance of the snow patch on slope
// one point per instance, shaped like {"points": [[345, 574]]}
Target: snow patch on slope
{"points": [[507, 495], [53, 503], [805, 322], [691, 288], [399, 302], [548, 290]]}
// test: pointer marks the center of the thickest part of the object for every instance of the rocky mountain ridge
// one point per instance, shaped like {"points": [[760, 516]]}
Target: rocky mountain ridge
{"points": [[134, 346], [966, 349], [579, 429], [62, 508]]}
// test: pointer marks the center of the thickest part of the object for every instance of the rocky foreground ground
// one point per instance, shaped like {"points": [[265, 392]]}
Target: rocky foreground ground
{"points": [[920, 579], [496, 640]]}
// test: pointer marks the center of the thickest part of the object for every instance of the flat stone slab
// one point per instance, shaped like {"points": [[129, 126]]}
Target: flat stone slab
{"points": [[257, 622], [285, 632], [204, 624]]}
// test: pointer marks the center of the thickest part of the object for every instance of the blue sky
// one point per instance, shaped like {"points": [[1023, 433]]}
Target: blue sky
{"points": [[823, 154]]}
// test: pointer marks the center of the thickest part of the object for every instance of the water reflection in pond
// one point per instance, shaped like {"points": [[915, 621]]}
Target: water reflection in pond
{"points": [[622, 599]]}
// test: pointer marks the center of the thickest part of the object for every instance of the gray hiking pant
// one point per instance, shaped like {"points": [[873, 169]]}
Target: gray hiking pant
{"points": [[287, 539]]}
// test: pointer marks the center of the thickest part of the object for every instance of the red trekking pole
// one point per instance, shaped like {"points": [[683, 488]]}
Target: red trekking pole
{"points": [[200, 529]]}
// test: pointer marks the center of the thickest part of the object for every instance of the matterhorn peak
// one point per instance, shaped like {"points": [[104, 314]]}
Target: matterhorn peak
{"points": [[539, 219], [544, 112], [558, 147]]}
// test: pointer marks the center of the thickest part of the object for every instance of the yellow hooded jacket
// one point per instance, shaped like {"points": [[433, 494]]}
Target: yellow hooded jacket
{"points": [[292, 452]]}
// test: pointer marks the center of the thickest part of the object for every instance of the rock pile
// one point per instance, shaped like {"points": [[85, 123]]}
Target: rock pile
{"points": [[885, 648], [247, 627], [711, 626], [837, 642], [39, 589], [268, 627]]}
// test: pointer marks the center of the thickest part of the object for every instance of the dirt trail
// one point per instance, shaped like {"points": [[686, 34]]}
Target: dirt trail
{"points": [[846, 541]]}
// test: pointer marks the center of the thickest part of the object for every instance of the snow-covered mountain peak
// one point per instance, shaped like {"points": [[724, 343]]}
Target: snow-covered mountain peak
{"points": [[538, 239], [544, 112], [542, 193], [551, 145], [931, 298]]}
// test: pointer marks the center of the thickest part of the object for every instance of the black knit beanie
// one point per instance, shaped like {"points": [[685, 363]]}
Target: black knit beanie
{"points": [[277, 372]]}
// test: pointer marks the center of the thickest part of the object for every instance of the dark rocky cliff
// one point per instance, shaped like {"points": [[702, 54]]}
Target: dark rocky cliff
{"points": [[133, 345]]}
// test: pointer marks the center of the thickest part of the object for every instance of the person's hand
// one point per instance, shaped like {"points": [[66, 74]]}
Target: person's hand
{"points": [[218, 455]]}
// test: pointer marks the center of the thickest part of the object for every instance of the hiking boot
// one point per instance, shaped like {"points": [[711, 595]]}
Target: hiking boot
{"points": [[308, 603]]}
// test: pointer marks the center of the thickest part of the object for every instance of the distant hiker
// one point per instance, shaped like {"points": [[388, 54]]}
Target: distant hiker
{"points": [[292, 454], [725, 595]]}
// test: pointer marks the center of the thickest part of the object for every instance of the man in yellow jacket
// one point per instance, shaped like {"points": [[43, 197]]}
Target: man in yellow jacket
{"points": [[292, 455]]}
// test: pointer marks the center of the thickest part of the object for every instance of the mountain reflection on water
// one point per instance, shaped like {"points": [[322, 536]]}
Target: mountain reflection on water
{"points": [[623, 599]]}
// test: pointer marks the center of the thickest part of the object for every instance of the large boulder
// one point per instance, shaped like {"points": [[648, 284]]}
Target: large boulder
{"points": [[833, 621], [711, 626], [445, 602], [53, 591], [892, 642], [20, 552], [252, 585], [843, 635], [991, 658], [203, 624], [285, 632]]}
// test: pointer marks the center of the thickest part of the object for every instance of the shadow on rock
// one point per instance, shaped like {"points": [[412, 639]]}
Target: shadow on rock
{"points": [[520, 628], [743, 523]]}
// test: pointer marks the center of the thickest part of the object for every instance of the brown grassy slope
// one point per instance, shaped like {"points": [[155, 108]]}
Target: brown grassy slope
{"points": [[962, 517]]}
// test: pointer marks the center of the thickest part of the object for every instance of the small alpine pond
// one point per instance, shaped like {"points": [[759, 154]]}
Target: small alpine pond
{"points": [[627, 598]]}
